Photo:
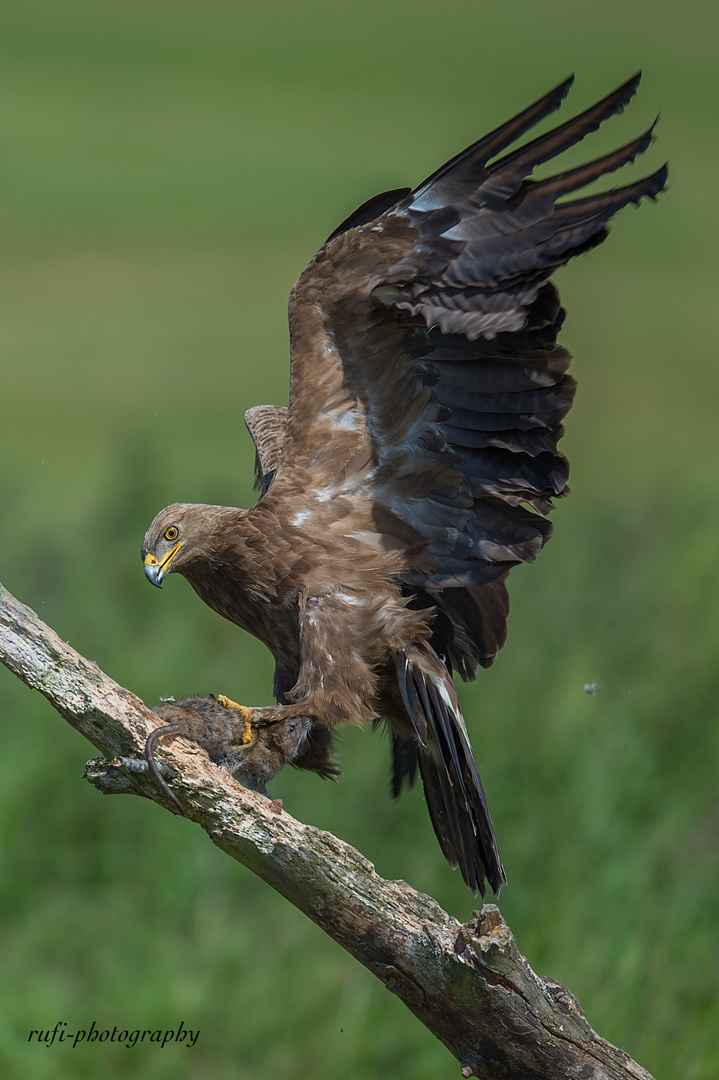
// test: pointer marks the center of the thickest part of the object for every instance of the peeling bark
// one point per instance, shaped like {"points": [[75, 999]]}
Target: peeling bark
{"points": [[467, 983]]}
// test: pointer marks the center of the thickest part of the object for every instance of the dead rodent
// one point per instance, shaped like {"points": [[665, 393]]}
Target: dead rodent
{"points": [[233, 736]]}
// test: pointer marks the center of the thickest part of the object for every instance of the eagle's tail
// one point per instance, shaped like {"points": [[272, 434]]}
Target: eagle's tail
{"points": [[453, 789]]}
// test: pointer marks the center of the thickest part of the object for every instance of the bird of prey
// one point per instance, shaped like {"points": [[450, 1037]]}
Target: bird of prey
{"points": [[416, 462]]}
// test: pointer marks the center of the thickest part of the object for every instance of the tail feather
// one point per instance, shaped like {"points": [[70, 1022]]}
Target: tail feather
{"points": [[404, 763], [455, 796]]}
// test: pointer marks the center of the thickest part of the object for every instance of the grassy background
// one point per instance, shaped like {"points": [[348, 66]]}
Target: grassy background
{"points": [[166, 169]]}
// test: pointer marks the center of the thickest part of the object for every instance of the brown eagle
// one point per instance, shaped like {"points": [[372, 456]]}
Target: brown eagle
{"points": [[416, 462]]}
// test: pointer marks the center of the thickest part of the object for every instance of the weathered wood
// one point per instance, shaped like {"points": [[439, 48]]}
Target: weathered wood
{"points": [[467, 983]]}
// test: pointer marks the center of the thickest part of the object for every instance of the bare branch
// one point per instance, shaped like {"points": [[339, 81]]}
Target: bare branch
{"points": [[467, 983]]}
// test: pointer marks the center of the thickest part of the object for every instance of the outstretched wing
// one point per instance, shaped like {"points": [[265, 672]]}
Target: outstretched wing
{"points": [[427, 384]]}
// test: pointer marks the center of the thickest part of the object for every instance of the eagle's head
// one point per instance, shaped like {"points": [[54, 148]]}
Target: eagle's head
{"points": [[168, 541], [180, 535]]}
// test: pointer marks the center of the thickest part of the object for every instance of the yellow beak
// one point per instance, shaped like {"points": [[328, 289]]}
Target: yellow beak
{"points": [[154, 570]]}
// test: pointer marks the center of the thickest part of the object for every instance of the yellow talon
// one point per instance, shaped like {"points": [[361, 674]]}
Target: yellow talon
{"points": [[228, 703]]}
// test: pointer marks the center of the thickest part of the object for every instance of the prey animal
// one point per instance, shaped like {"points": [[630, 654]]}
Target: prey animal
{"points": [[253, 751], [417, 460]]}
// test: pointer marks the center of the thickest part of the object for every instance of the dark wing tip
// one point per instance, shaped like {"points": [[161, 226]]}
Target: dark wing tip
{"points": [[490, 145], [657, 182]]}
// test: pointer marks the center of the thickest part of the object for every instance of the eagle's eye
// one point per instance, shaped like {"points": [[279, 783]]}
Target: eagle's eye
{"points": [[172, 532]]}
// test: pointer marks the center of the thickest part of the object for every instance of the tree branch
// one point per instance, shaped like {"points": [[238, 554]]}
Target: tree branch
{"points": [[467, 983]]}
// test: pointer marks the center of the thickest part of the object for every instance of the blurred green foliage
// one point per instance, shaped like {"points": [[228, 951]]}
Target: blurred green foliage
{"points": [[165, 171]]}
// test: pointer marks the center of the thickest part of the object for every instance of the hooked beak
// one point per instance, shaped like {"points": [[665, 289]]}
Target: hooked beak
{"points": [[155, 571]]}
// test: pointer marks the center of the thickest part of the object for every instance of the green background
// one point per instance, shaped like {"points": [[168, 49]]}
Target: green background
{"points": [[166, 170]]}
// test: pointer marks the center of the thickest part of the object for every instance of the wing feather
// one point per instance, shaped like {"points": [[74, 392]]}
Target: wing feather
{"points": [[267, 425]]}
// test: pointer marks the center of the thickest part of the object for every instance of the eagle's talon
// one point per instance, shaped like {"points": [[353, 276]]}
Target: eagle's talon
{"points": [[229, 703], [246, 712]]}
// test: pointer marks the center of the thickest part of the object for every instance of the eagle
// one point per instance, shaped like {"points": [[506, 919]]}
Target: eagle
{"points": [[416, 462]]}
